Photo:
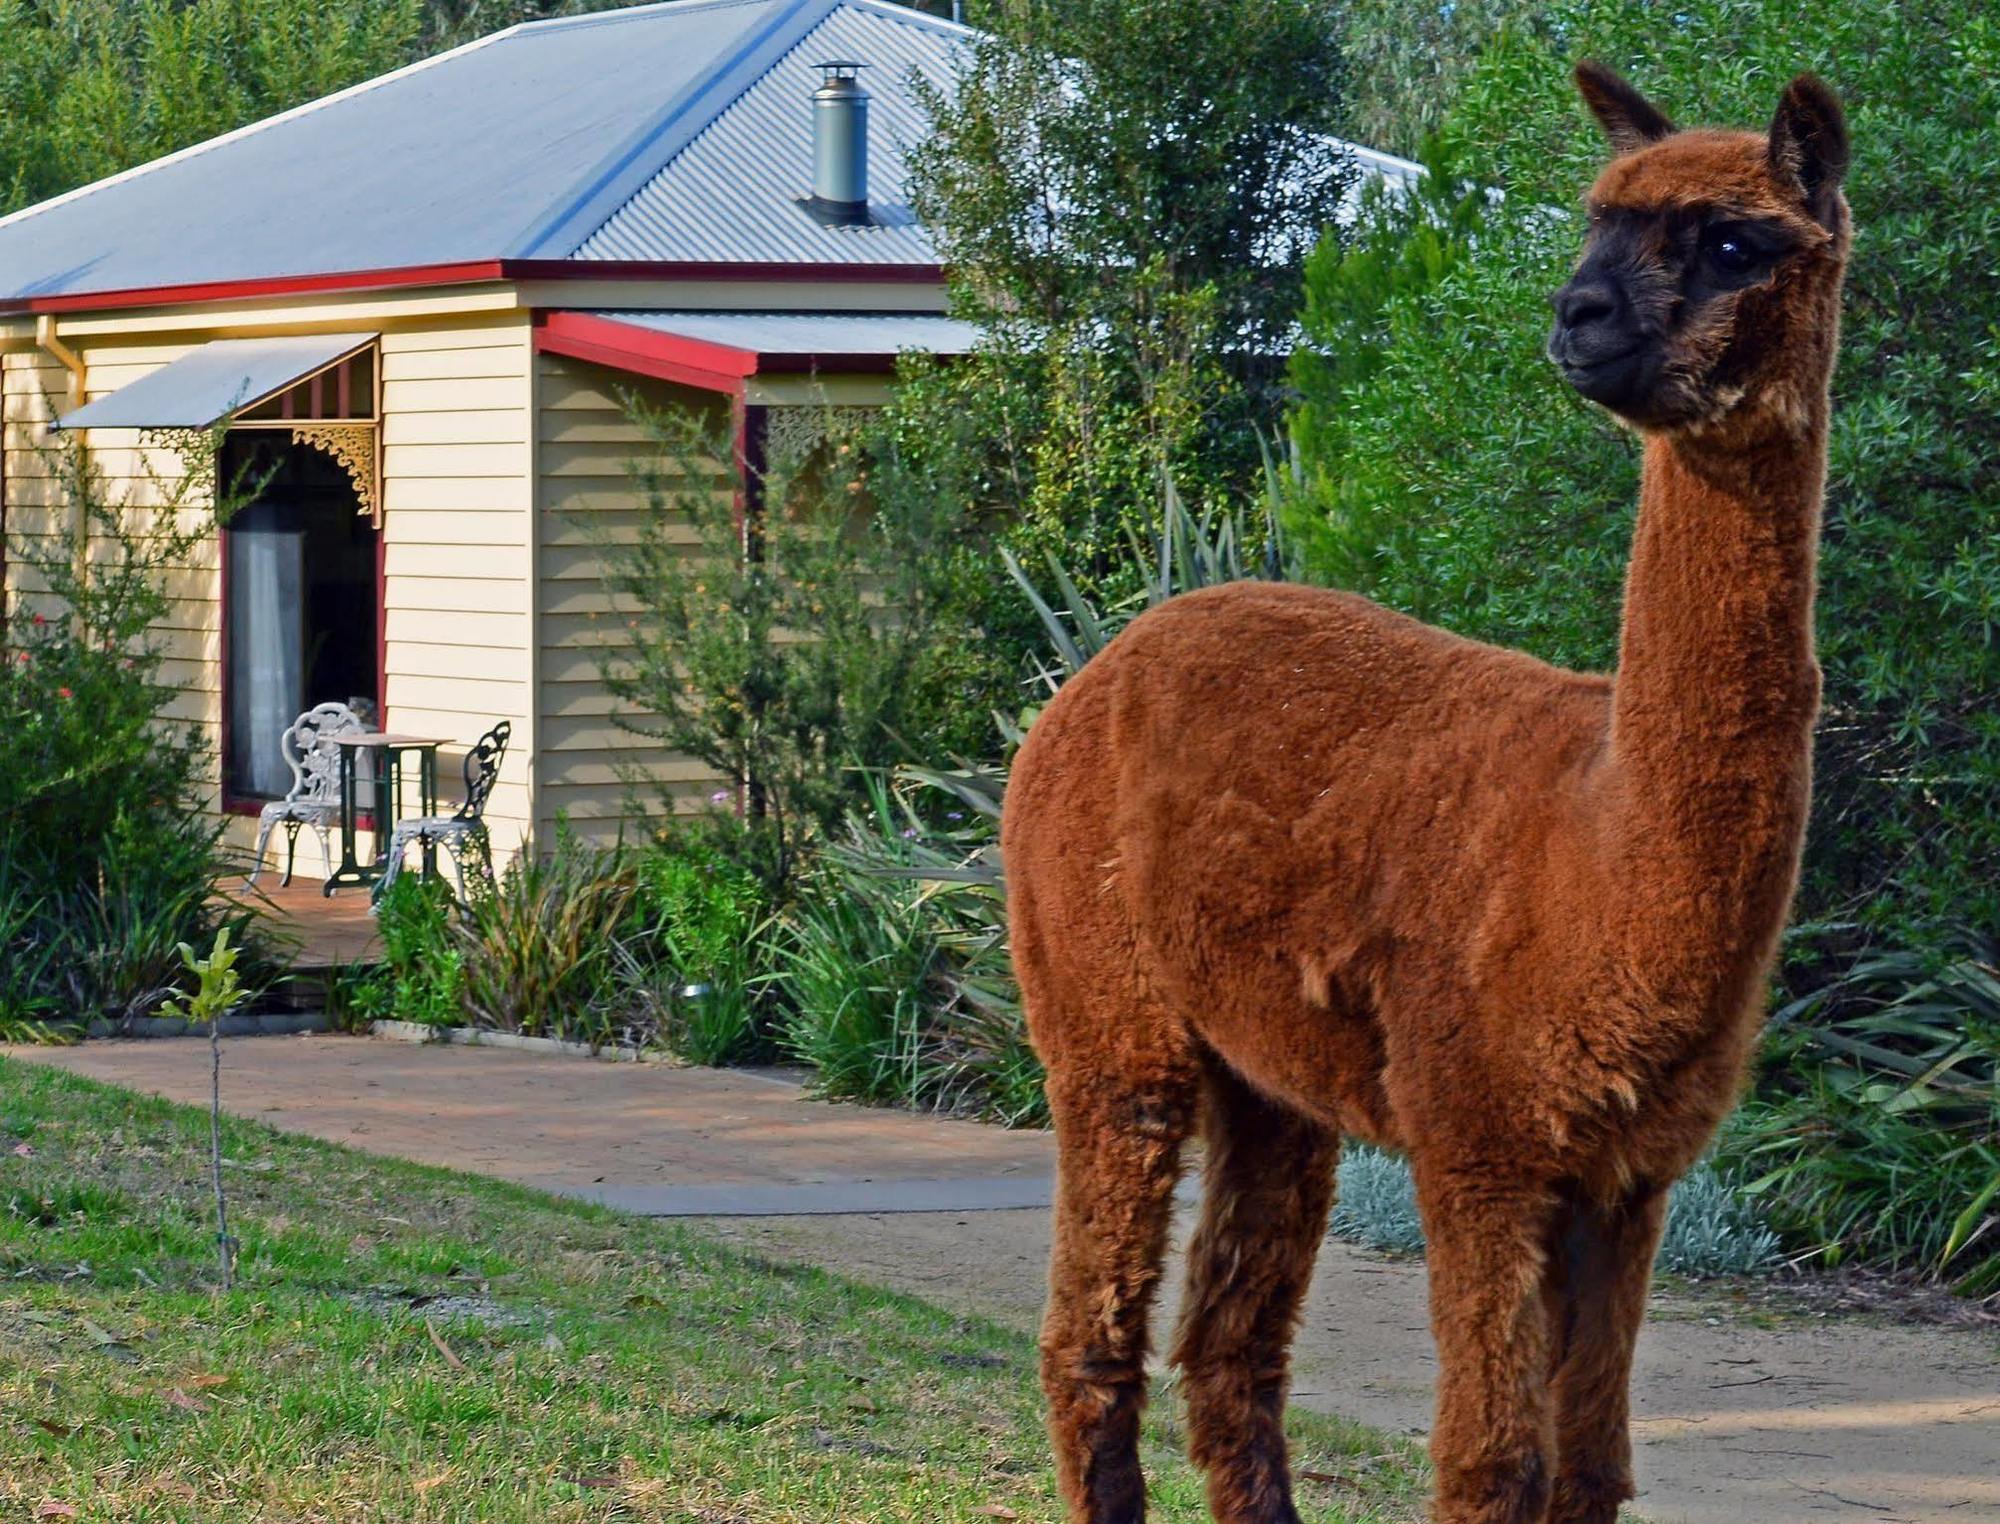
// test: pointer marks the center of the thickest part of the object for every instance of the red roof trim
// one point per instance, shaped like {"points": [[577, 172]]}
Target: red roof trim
{"points": [[690, 362], [674, 357], [469, 272]]}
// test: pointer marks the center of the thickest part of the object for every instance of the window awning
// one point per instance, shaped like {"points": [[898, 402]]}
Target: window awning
{"points": [[216, 381]]}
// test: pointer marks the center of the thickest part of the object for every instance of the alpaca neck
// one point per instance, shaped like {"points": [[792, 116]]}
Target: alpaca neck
{"points": [[1717, 684]]}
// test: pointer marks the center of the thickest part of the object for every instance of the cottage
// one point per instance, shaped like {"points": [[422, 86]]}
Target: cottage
{"points": [[419, 301]]}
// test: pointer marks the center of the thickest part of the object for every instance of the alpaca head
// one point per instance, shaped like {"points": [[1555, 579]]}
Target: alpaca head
{"points": [[1709, 289]]}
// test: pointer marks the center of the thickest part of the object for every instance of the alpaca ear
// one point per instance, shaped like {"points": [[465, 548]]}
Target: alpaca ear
{"points": [[1629, 120], [1809, 145]]}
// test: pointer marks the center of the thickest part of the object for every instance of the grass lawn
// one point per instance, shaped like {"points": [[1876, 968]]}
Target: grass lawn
{"points": [[405, 1343]]}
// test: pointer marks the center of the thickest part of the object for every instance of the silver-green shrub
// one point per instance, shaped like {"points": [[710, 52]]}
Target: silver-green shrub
{"points": [[1712, 1227]]}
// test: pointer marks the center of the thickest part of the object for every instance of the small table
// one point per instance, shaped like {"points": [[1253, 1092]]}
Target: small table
{"points": [[389, 749]]}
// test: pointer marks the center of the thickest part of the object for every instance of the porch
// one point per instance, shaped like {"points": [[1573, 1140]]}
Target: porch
{"points": [[322, 934]]}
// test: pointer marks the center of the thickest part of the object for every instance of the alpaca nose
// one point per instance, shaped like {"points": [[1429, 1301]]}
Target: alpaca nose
{"points": [[1587, 303]]}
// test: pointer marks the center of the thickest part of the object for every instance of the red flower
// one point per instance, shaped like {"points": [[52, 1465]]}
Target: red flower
{"points": [[40, 620], [64, 693]]}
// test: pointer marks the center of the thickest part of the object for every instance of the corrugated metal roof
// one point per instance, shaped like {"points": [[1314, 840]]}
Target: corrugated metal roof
{"points": [[674, 132], [477, 154], [207, 385], [884, 334], [732, 193]]}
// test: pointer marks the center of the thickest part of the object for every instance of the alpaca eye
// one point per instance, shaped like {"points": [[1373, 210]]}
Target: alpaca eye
{"points": [[1731, 253]]}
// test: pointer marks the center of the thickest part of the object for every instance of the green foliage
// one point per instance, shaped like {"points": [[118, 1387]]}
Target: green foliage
{"points": [[1455, 478], [708, 919], [108, 860], [1878, 1132], [783, 648], [1124, 192], [896, 968], [856, 965], [1407, 61], [422, 974], [1092, 141], [548, 950], [595, 945], [218, 987], [1401, 246]]}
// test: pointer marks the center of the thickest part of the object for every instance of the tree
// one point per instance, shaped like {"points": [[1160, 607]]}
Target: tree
{"points": [[1124, 192], [92, 87], [1408, 59], [779, 629]]}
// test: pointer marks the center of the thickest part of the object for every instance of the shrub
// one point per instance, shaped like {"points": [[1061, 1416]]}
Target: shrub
{"points": [[1877, 1133], [781, 647], [629, 947], [109, 859], [1375, 1202], [701, 918], [422, 974], [1712, 1228], [857, 964], [897, 970], [550, 949]]}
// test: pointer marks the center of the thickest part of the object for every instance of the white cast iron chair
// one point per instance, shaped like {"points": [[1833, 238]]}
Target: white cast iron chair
{"points": [[462, 833], [314, 799]]}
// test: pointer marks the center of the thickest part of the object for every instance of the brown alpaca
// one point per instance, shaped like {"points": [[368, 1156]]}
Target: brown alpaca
{"points": [[1285, 865]]}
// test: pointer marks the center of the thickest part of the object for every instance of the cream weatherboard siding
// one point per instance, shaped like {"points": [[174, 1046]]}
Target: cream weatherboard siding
{"points": [[586, 443], [457, 530]]}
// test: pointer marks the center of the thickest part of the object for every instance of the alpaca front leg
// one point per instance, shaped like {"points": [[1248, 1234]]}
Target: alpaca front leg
{"points": [[1493, 1439], [1599, 1274], [1269, 1189], [1119, 1162]]}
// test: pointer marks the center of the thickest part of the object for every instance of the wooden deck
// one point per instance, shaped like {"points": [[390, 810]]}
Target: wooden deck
{"points": [[329, 933]]}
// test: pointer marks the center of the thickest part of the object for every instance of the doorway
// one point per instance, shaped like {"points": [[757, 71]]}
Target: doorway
{"points": [[301, 603]]}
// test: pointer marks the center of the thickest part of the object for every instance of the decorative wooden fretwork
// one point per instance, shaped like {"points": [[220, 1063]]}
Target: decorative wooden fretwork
{"points": [[196, 449], [352, 445], [791, 434]]}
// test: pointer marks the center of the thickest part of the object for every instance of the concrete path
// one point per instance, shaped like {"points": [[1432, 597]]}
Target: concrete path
{"points": [[1815, 1419], [645, 1138]]}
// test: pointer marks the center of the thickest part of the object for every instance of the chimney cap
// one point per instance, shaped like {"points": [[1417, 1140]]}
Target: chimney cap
{"points": [[840, 146]]}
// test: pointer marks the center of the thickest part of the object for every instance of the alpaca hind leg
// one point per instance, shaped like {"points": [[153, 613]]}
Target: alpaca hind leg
{"points": [[1493, 1438], [1269, 1189], [1120, 1135], [1599, 1270]]}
